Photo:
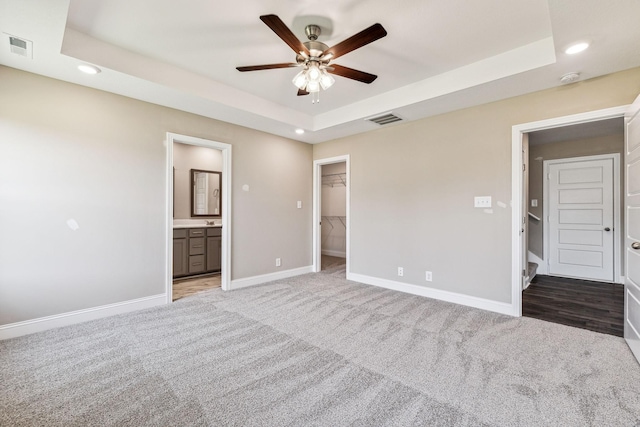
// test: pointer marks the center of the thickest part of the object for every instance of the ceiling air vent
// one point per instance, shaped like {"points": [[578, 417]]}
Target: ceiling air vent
{"points": [[384, 119], [20, 46]]}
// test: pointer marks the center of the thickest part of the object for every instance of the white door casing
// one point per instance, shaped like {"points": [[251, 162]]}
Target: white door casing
{"points": [[632, 237], [579, 204], [517, 135], [525, 210], [226, 213], [317, 210]]}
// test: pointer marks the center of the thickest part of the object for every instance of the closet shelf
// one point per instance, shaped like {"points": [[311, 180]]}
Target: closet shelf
{"points": [[330, 219], [333, 179]]}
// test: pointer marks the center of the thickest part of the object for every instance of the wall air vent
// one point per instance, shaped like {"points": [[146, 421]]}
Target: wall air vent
{"points": [[384, 119], [19, 46]]}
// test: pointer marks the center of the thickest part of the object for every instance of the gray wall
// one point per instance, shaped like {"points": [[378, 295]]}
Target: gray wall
{"points": [[412, 188], [563, 150], [185, 158], [71, 152]]}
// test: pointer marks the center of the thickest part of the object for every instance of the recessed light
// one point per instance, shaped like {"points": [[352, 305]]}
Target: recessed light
{"points": [[299, 131], [576, 48], [89, 69]]}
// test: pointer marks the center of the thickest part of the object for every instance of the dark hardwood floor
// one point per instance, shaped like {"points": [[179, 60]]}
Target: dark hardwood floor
{"points": [[583, 304]]}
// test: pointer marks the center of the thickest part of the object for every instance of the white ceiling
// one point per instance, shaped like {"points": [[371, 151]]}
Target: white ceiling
{"points": [[438, 55]]}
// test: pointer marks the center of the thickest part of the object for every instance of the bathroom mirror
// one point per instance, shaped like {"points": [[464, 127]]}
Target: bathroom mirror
{"points": [[205, 193]]}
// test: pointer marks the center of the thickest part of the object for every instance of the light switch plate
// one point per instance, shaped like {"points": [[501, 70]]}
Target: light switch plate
{"points": [[482, 201], [299, 204], [534, 203]]}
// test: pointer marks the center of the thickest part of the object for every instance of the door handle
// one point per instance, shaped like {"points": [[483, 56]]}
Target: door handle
{"points": [[607, 229], [635, 245]]}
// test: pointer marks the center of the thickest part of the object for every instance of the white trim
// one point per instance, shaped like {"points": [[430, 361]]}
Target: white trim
{"points": [[617, 225], [339, 254], [317, 209], [517, 132], [225, 275], [40, 324], [466, 300], [269, 277]]}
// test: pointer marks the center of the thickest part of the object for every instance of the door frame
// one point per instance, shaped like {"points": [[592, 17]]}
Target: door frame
{"points": [[617, 224], [317, 209], [517, 132], [225, 270]]}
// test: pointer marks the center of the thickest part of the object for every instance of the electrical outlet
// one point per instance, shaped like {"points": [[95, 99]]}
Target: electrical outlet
{"points": [[278, 262], [428, 276], [400, 271], [299, 204]]}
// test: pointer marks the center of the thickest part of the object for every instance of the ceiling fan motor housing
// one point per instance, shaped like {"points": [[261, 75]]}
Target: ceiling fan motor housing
{"points": [[312, 32]]}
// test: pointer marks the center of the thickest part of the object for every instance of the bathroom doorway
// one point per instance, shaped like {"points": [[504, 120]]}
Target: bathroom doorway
{"points": [[198, 242], [331, 215]]}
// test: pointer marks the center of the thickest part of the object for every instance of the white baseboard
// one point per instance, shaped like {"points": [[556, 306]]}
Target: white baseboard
{"points": [[26, 327], [339, 254], [542, 265], [269, 277], [481, 303]]}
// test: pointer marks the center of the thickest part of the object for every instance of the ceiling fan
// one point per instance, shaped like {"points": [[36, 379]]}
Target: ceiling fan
{"points": [[315, 56]]}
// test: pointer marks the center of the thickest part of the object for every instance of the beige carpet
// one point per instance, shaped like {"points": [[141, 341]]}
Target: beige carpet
{"points": [[316, 350]]}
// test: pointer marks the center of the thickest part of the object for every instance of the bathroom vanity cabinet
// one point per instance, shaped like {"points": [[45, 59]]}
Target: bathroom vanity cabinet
{"points": [[180, 252], [196, 251], [214, 249]]}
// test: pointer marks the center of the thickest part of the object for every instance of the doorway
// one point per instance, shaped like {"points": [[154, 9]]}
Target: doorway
{"points": [[224, 194], [572, 231], [331, 214], [333, 219], [527, 214]]}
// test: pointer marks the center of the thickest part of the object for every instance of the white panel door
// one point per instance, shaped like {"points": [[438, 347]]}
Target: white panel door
{"points": [[632, 241], [581, 219]]}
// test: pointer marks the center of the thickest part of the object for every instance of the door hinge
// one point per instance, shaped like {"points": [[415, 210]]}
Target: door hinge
{"points": [[524, 273], [549, 176], [524, 168]]}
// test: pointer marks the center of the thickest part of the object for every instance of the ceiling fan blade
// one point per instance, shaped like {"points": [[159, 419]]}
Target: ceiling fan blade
{"points": [[350, 73], [279, 27], [302, 92], [266, 67], [364, 37]]}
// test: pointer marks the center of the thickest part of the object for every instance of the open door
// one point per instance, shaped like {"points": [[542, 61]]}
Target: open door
{"points": [[632, 241]]}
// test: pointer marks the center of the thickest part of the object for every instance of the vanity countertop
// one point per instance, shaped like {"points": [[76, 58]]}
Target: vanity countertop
{"points": [[197, 226]]}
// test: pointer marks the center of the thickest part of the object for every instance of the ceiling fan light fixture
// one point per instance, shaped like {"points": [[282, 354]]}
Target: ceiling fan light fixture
{"points": [[313, 86], [315, 56], [313, 72], [300, 80], [326, 80]]}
